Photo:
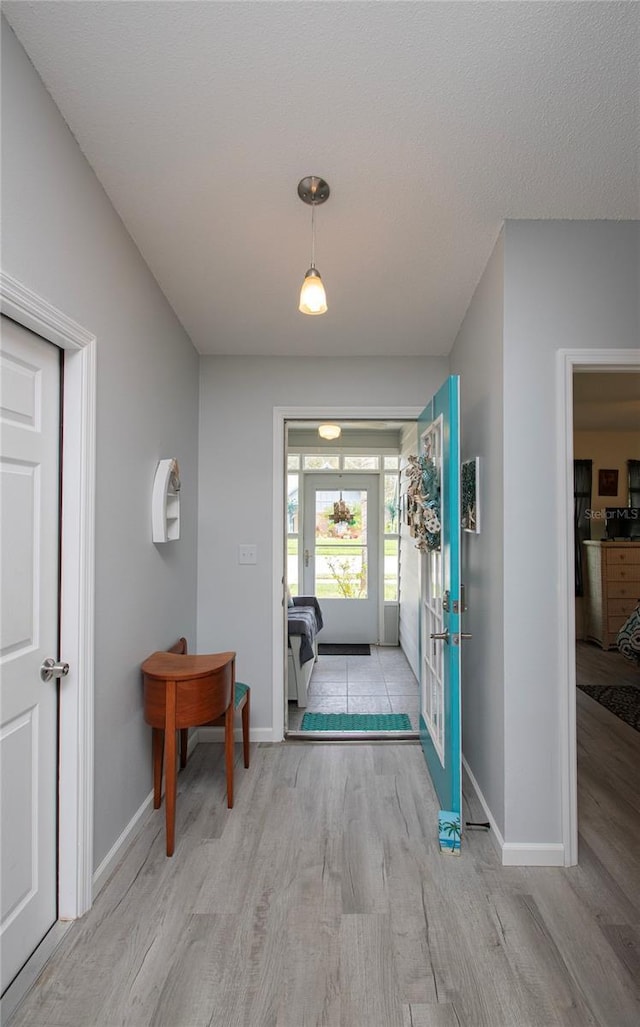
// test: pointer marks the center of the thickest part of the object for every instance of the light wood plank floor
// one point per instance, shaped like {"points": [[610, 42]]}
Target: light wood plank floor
{"points": [[321, 899]]}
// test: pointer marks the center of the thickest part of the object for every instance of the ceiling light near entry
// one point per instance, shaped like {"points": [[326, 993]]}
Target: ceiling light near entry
{"points": [[329, 431], [313, 299]]}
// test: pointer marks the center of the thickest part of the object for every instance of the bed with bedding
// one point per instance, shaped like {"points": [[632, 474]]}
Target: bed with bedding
{"points": [[304, 622]]}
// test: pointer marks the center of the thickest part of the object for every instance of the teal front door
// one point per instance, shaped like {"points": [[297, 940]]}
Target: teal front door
{"points": [[441, 607]]}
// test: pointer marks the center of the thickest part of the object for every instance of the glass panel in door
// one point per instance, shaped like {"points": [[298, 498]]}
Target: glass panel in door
{"points": [[340, 546]]}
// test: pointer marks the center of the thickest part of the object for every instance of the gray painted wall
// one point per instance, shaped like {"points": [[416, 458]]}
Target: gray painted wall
{"points": [[568, 284], [236, 483], [477, 357], [63, 239], [548, 286]]}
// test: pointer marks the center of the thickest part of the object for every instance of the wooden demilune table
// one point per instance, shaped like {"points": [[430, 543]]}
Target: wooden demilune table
{"points": [[182, 692]]}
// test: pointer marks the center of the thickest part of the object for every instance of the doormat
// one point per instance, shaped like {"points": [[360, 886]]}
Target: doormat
{"points": [[331, 649], [356, 722], [623, 700]]}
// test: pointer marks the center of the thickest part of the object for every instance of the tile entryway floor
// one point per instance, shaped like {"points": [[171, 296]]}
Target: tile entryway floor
{"points": [[380, 683]]}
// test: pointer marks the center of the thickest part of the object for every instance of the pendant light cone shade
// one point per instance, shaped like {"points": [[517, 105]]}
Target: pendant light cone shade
{"points": [[313, 298], [329, 431]]}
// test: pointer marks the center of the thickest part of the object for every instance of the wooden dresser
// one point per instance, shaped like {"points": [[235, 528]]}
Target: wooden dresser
{"points": [[612, 588]]}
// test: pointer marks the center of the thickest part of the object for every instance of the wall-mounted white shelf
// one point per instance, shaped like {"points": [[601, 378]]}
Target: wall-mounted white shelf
{"points": [[165, 503]]}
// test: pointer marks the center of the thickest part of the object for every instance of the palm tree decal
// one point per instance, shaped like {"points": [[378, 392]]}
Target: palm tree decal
{"points": [[452, 829], [450, 834]]}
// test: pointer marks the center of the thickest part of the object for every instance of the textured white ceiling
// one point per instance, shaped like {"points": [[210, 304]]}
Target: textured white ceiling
{"points": [[432, 122]]}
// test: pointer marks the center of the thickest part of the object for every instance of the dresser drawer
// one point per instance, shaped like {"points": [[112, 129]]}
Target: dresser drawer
{"points": [[624, 590], [621, 607], [624, 572], [618, 556]]}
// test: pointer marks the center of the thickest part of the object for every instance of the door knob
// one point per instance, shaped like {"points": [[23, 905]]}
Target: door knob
{"points": [[444, 635], [52, 669]]}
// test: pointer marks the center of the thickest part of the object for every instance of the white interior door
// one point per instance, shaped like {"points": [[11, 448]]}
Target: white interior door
{"points": [[29, 533], [341, 543]]}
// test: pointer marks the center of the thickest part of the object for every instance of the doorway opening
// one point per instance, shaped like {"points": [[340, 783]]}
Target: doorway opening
{"points": [[571, 362], [606, 483], [342, 545]]}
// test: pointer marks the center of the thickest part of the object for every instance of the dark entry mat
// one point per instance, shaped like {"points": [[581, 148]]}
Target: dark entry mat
{"points": [[623, 700], [333, 649]]}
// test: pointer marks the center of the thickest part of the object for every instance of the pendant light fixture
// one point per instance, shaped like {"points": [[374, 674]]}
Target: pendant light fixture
{"points": [[313, 299]]}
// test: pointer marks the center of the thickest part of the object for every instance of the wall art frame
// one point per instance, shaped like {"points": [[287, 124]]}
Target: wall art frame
{"points": [[470, 495]]}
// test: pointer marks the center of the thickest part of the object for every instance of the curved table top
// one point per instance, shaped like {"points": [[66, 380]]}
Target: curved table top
{"points": [[175, 667]]}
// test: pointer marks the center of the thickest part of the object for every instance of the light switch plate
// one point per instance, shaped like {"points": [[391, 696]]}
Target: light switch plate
{"points": [[247, 553]]}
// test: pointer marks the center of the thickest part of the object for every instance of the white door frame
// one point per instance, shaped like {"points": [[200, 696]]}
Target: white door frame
{"points": [[75, 785], [568, 361], [280, 416]]}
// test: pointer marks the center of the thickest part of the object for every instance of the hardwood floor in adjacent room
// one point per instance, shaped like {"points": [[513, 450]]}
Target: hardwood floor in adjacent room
{"points": [[321, 899], [595, 666]]}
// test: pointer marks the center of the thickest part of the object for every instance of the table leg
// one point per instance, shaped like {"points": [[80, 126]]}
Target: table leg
{"points": [[245, 728], [157, 749], [170, 764], [228, 750]]}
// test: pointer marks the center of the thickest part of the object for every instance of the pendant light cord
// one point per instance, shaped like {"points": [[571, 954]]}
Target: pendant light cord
{"points": [[313, 235]]}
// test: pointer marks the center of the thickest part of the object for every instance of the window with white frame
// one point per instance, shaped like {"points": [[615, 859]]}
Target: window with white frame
{"points": [[387, 466]]}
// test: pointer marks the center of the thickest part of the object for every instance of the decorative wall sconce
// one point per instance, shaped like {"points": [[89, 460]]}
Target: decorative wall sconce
{"points": [[313, 298]]}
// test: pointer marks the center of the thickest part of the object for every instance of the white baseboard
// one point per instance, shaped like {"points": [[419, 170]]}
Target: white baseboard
{"points": [[533, 854], [104, 871], [108, 864], [518, 854], [496, 835]]}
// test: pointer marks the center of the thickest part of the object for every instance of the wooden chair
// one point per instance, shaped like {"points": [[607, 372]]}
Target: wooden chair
{"points": [[242, 702]]}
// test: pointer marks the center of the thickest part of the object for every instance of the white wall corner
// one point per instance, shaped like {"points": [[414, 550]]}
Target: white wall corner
{"points": [[517, 854]]}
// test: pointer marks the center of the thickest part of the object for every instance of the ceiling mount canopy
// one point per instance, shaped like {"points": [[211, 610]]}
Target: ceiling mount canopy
{"points": [[329, 431], [313, 298]]}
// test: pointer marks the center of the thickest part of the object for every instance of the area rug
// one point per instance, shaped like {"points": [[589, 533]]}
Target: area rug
{"points": [[623, 700], [356, 722], [333, 649]]}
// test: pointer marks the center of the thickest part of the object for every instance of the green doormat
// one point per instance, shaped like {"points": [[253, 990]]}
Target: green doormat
{"points": [[356, 722]]}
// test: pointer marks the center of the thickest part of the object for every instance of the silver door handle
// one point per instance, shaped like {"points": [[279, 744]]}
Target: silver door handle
{"points": [[446, 637], [50, 669], [307, 554]]}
